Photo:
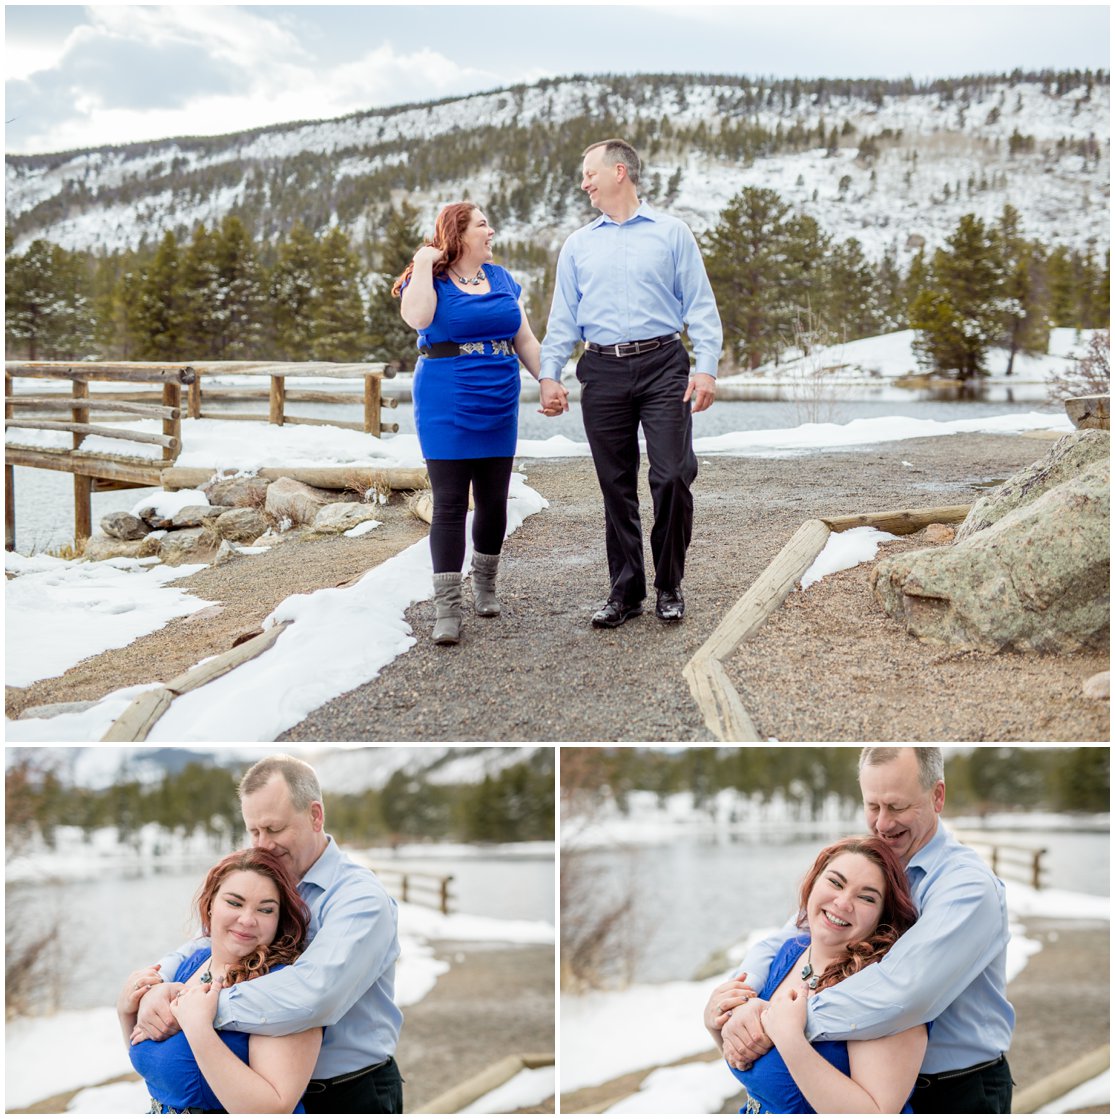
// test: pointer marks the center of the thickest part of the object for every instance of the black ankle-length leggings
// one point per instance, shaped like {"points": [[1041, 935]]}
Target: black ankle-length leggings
{"points": [[450, 479]]}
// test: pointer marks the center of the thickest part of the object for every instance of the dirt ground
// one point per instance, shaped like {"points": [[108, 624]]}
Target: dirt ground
{"points": [[828, 666]]}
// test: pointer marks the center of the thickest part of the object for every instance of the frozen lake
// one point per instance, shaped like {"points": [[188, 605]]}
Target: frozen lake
{"points": [[694, 898], [124, 921]]}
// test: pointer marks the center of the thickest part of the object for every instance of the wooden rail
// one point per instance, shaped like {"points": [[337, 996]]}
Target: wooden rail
{"points": [[487, 1080], [420, 887], [1010, 860], [113, 469]]}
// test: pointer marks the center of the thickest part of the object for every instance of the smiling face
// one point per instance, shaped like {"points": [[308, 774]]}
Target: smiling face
{"points": [[244, 914], [477, 237], [898, 810], [603, 183], [846, 901], [295, 837]]}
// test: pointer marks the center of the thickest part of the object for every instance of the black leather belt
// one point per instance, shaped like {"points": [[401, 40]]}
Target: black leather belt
{"points": [[927, 1078], [501, 346], [633, 349], [345, 1078]]}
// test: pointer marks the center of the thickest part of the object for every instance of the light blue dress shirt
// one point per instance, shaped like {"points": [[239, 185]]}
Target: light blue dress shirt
{"points": [[949, 968], [625, 282], [345, 979]]}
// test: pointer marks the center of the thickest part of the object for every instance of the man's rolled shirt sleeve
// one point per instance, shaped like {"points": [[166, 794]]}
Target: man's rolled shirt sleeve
{"points": [[355, 944], [926, 971], [756, 963]]}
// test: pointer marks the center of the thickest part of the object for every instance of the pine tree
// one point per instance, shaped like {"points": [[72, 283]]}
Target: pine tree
{"points": [[48, 312], [202, 283], [1024, 325], [293, 295], [239, 316], [390, 339], [760, 261], [959, 316], [338, 327], [162, 318]]}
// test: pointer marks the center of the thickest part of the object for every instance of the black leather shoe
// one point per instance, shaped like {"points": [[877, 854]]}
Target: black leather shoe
{"points": [[613, 614], [670, 606]]}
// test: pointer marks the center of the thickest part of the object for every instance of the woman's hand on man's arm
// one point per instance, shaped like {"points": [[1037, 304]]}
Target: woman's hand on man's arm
{"points": [[155, 1020]]}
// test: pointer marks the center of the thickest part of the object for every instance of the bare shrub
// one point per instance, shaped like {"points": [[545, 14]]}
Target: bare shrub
{"points": [[1089, 375]]}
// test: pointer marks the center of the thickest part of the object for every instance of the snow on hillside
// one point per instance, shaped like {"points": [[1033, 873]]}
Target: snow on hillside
{"points": [[962, 164]]}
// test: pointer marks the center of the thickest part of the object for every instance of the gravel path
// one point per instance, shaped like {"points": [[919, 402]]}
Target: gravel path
{"points": [[495, 1001], [541, 673]]}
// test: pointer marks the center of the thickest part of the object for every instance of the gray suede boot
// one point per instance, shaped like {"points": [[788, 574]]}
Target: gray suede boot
{"points": [[447, 601], [484, 584]]}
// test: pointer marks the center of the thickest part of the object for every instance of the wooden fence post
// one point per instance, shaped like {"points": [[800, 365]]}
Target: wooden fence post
{"points": [[9, 473], [278, 400], [445, 893], [83, 484], [372, 404], [172, 425]]}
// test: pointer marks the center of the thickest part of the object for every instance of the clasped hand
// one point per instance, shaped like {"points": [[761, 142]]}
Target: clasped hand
{"points": [[784, 1017], [553, 396], [196, 1006]]}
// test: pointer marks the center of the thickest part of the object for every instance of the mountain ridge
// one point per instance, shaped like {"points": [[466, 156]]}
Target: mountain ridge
{"points": [[892, 163]]}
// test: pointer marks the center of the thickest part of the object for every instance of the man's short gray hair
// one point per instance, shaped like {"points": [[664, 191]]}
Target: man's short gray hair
{"points": [[931, 762], [619, 151], [300, 779]]}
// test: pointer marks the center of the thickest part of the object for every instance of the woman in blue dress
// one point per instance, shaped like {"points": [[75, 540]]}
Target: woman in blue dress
{"points": [[855, 903], [472, 335], [256, 923]]}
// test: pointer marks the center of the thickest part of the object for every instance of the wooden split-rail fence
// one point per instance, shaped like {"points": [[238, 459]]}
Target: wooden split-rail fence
{"points": [[164, 391], [418, 887]]}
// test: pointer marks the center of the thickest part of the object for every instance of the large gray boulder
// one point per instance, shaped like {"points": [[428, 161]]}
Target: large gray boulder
{"points": [[237, 492], [124, 526], [295, 501], [1038, 579], [103, 547], [1067, 457], [340, 516], [188, 545]]}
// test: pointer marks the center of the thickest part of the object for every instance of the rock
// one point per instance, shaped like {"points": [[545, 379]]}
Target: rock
{"points": [[224, 553], [191, 516], [940, 534], [1066, 458], [340, 516], [237, 493], [295, 501], [150, 514], [109, 547], [240, 525], [1036, 580], [188, 545], [123, 526], [1098, 686]]}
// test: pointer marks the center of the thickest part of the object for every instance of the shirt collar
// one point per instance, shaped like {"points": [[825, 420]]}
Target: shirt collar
{"points": [[643, 213], [324, 870], [924, 859]]}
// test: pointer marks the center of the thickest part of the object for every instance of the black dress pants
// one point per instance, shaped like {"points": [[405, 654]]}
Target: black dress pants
{"points": [[618, 394], [986, 1089]]}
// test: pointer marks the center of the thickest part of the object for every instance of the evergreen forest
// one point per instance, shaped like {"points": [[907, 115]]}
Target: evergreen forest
{"points": [[978, 780], [515, 805]]}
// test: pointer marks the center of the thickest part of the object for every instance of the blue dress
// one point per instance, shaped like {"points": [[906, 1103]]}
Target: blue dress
{"points": [[768, 1081], [467, 406], [170, 1069]]}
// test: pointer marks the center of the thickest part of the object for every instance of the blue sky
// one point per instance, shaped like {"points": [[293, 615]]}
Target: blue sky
{"points": [[84, 76]]}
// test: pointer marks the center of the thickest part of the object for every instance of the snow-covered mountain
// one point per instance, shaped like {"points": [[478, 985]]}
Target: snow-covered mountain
{"points": [[340, 770], [892, 164]]}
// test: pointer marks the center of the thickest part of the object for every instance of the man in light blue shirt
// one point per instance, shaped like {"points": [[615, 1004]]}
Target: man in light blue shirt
{"points": [[627, 284], [948, 969], [344, 980]]}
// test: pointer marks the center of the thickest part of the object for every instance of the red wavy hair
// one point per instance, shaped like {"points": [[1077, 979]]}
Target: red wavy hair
{"points": [[449, 231], [898, 910], [294, 917]]}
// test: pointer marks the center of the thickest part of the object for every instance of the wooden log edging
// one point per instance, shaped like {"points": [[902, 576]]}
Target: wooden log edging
{"points": [[720, 704], [1060, 1083], [323, 477], [135, 724], [470, 1090]]}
